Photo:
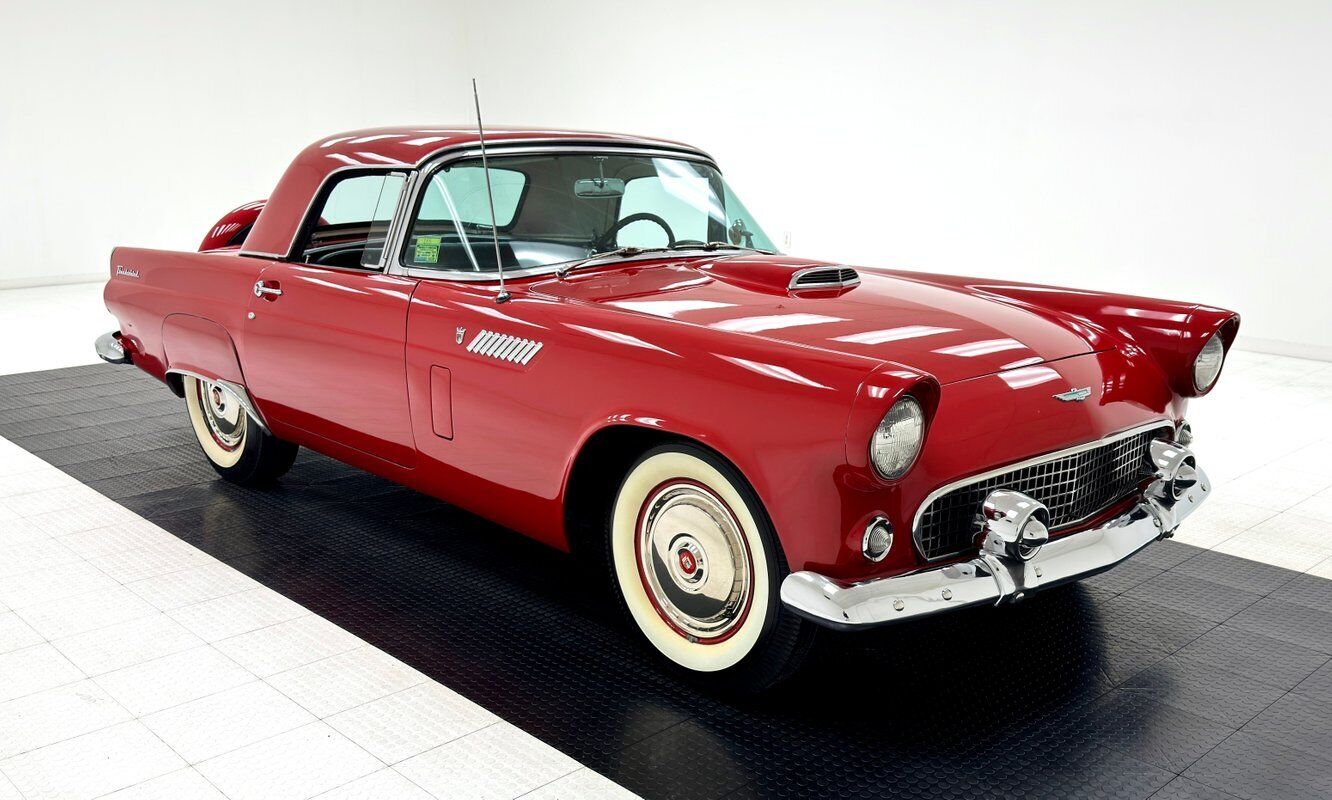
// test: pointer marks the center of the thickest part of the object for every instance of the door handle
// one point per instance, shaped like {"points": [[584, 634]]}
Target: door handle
{"points": [[271, 292]]}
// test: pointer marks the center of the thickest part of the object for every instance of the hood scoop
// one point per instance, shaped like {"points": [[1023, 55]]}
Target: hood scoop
{"points": [[824, 278], [783, 275]]}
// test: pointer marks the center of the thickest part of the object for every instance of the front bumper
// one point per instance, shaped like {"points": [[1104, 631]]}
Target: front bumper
{"points": [[990, 579]]}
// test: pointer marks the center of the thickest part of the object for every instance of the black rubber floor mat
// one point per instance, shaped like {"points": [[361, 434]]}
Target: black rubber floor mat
{"points": [[1177, 675]]}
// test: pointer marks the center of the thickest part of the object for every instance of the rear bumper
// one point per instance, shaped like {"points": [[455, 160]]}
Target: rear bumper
{"points": [[990, 579], [110, 350]]}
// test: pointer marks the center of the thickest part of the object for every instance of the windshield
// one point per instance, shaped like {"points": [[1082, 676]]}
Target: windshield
{"points": [[556, 209]]}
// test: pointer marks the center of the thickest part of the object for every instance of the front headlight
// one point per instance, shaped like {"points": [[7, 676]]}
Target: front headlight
{"points": [[896, 441], [1208, 364]]}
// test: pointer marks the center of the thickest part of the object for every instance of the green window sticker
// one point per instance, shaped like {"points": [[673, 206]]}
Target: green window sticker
{"points": [[427, 250]]}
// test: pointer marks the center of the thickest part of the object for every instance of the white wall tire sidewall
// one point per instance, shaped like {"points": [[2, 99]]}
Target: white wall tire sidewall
{"points": [[222, 458], [647, 476]]}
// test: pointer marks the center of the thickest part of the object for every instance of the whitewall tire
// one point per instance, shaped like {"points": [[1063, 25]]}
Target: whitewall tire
{"points": [[698, 568], [239, 449]]}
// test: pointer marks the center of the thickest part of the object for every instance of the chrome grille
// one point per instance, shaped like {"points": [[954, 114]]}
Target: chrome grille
{"points": [[1074, 487]]}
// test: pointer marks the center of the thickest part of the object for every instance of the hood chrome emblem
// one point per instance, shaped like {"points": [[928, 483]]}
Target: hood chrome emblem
{"points": [[1074, 395]]}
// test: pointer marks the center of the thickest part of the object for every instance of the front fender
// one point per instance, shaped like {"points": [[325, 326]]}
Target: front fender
{"points": [[1171, 332]]}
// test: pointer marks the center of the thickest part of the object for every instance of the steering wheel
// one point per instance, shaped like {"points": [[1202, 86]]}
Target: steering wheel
{"points": [[609, 236]]}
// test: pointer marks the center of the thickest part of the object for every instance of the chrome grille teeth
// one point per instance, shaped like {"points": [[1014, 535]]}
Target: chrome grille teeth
{"points": [[1073, 487]]}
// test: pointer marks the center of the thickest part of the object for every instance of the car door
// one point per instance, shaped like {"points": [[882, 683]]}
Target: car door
{"points": [[325, 349]]}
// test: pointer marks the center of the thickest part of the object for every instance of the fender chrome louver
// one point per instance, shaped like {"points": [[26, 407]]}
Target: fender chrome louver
{"points": [[504, 347]]}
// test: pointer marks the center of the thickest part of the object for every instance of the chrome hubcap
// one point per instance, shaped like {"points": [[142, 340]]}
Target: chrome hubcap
{"points": [[694, 560], [223, 413]]}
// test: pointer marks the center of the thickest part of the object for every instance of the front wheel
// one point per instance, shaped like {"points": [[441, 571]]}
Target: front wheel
{"points": [[697, 566], [240, 451]]}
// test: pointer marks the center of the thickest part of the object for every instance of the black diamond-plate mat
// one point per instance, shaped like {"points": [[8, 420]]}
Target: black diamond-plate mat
{"points": [[1177, 675]]}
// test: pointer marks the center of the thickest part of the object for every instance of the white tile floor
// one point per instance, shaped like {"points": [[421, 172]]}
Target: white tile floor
{"points": [[134, 666], [130, 660]]}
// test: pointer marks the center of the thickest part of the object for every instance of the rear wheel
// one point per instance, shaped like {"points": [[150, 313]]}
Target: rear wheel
{"points": [[698, 568], [240, 451]]}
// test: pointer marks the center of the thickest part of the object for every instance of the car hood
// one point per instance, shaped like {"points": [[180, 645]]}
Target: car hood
{"points": [[952, 333]]}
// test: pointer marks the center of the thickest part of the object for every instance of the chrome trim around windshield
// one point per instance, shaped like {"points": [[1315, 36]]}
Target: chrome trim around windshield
{"points": [[399, 266], [1068, 451], [458, 151]]}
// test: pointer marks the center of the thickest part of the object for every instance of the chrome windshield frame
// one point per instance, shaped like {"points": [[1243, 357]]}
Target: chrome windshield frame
{"points": [[399, 266]]}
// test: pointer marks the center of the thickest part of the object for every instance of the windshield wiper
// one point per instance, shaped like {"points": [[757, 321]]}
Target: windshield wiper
{"points": [[630, 250], [596, 258]]}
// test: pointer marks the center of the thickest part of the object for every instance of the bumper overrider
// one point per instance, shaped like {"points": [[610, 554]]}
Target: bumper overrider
{"points": [[1016, 556]]}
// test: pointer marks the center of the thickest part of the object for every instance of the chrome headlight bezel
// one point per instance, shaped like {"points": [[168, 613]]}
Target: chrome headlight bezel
{"points": [[1207, 364], [905, 423]]}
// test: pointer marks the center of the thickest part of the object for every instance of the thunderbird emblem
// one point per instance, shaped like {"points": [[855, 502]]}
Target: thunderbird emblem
{"points": [[1074, 395]]}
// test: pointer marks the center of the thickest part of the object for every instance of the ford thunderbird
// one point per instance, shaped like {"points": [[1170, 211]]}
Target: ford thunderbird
{"points": [[590, 339]]}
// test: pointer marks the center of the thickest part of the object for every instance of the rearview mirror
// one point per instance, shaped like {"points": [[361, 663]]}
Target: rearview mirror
{"points": [[599, 187]]}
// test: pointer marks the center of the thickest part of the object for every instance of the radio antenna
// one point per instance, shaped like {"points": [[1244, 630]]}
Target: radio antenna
{"points": [[503, 295]]}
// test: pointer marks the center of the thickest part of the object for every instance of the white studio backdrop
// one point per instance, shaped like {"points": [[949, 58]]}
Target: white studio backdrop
{"points": [[1168, 149]]}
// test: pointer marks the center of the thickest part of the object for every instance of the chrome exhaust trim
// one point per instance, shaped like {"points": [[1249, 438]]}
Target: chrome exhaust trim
{"points": [[110, 350]]}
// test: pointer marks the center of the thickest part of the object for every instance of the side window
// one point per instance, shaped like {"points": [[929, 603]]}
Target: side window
{"points": [[455, 210], [353, 221]]}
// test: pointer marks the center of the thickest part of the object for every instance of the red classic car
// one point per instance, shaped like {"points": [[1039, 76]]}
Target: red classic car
{"points": [[589, 339]]}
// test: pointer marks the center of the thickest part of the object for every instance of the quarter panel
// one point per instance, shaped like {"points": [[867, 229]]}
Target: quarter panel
{"points": [[147, 286], [199, 345]]}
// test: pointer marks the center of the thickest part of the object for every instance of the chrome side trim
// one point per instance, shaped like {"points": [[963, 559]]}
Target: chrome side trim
{"points": [[989, 578], [240, 391], [110, 350], [504, 347], [970, 479]]}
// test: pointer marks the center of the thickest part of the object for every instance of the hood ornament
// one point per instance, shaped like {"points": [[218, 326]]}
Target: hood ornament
{"points": [[1074, 395]]}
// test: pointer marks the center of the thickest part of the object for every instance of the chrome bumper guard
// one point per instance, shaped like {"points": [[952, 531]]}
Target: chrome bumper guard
{"points": [[1000, 574], [110, 350]]}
